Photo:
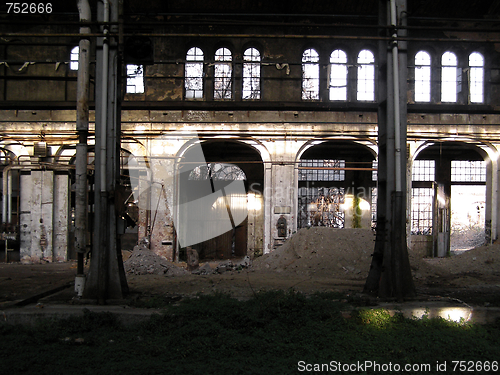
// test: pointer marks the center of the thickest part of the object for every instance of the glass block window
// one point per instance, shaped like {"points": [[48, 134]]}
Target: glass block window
{"points": [[338, 75], [422, 77], [423, 170], [321, 170], [251, 74], [468, 171], [366, 76], [193, 75], [310, 75], [476, 77], [223, 71], [421, 210]]}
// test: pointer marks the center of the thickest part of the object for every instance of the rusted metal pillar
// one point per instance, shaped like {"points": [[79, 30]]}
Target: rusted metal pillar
{"points": [[106, 280], [390, 273], [82, 129]]}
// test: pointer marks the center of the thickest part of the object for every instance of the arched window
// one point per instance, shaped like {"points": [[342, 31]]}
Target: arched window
{"points": [[135, 79], [193, 75], [366, 75], [251, 74], [73, 58], [338, 75], [310, 75], [422, 77], [449, 77], [476, 77], [217, 172], [223, 71]]}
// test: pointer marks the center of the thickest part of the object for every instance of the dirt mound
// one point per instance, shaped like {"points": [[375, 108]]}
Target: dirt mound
{"points": [[143, 261], [339, 253], [483, 260]]}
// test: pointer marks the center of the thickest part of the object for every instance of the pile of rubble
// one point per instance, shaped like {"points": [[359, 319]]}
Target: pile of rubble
{"points": [[224, 266], [338, 253], [143, 261]]}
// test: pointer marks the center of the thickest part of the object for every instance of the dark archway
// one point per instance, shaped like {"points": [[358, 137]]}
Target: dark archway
{"points": [[223, 182]]}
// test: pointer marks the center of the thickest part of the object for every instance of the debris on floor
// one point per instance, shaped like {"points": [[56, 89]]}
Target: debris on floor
{"points": [[143, 261]]}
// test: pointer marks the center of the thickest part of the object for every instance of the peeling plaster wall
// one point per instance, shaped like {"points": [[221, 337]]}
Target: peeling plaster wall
{"points": [[44, 219]]}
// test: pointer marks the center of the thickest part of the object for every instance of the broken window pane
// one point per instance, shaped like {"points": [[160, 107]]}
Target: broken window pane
{"points": [[194, 74], [322, 170], [338, 75], [135, 79], [223, 70], [422, 77], [449, 74], [321, 207], [476, 77], [73, 58], [421, 210], [366, 75], [251, 74], [310, 75]]}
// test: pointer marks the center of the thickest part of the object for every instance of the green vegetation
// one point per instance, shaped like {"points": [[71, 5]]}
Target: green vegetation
{"points": [[268, 334]]}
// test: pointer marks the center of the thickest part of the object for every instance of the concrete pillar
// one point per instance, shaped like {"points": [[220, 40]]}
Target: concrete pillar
{"points": [[26, 201], [61, 217]]}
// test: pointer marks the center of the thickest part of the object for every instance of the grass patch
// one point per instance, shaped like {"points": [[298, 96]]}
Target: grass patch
{"points": [[217, 334]]}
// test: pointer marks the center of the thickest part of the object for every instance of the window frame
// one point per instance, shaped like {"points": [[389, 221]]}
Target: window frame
{"points": [[133, 79], [310, 64], [451, 71], [423, 77], [338, 72], [194, 85], [73, 63], [474, 71], [252, 80], [368, 80], [223, 74]]}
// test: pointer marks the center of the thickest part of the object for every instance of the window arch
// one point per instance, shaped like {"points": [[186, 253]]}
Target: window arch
{"points": [[217, 172], [223, 71], [251, 74], [338, 75], [449, 77], [476, 77], [193, 75], [422, 77], [310, 75], [73, 58], [366, 75]]}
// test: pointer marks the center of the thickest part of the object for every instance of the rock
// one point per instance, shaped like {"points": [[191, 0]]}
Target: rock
{"points": [[204, 270]]}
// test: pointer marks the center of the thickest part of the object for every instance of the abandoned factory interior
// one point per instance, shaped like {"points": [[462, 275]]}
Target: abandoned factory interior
{"points": [[225, 127]]}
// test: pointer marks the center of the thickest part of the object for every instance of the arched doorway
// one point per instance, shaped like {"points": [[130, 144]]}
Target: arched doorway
{"points": [[337, 186], [217, 202], [449, 197]]}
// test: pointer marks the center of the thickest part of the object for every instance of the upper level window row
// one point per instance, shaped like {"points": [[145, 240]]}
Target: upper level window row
{"points": [[135, 73], [338, 75], [451, 77], [223, 74]]}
